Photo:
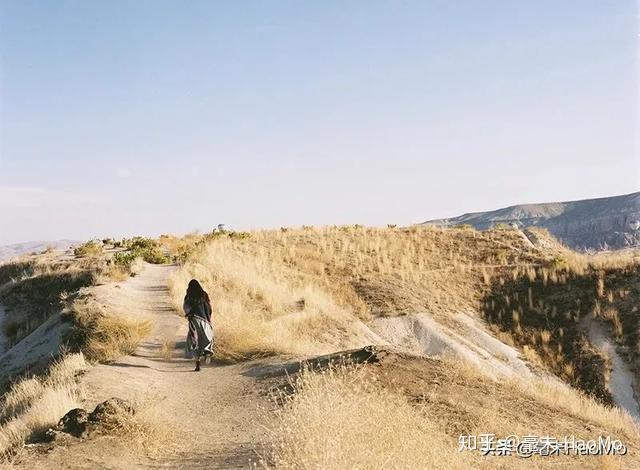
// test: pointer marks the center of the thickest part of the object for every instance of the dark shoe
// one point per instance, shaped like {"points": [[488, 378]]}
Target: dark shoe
{"points": [[197, 369]]}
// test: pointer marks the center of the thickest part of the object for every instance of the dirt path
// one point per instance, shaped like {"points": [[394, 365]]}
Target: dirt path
{"points": [[215, 411]]}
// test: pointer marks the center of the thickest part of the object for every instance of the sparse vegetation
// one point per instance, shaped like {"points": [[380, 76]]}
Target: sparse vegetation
{"points": [[147, 249], [33, 405], [413, 411], [309, 291], [35, 289], [101, 336], [90, 248], [321, 426], [312, 291], [544, 308], [344, 275]]}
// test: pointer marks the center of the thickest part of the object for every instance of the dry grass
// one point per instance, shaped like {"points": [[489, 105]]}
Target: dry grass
{"points": [[405, 412], [167, 348], [308, 291], [556, 394], [101, 336], [338, 419], [543, 310], [147, 432], [33, 405], [34, 288], [311, 291]]}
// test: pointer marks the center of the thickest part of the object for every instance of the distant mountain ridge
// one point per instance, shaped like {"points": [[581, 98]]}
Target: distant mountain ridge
{"points": [[16, 249], [588, 224]]}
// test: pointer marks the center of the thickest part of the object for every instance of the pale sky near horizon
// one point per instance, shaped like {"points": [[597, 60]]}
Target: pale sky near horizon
{"points": [[147, 117]]}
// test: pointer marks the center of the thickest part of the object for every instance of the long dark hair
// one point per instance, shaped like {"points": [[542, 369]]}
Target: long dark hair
{"points": [[195, 292]]}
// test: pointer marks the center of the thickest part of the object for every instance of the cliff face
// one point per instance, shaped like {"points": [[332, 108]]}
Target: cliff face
{"points": [[589, 224]]}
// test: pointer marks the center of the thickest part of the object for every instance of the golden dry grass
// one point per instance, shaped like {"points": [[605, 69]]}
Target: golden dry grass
{"points": [[34, 288], [167, 348], [337, 419], [35, 404], [148, 431], [307, 291], [102, 336], [546, 309], [405, 412], [311, 290]]}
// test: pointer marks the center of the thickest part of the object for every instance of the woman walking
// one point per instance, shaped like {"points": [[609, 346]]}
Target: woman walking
{"points": [[197, 309]]}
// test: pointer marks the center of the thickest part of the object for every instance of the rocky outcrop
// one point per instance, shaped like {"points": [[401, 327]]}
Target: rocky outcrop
{"points": [[81, 424], [589, 224]]}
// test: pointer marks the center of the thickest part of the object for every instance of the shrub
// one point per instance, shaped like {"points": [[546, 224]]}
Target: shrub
{"points": [[141, 243], [152, 255], [124, 258], [141, 247], [90, 248]]}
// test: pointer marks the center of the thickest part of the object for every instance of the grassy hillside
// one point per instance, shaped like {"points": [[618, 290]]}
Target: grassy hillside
{"points": [[313, 290], [309, 290], [409, 412], [544, 310], [36, 287]]}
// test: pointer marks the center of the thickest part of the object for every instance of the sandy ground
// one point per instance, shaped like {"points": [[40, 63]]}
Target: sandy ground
{"points": [[214, 412], [422, 335]]}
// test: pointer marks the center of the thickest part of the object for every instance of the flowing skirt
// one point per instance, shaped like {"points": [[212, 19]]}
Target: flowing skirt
{"points": [[199, 338]]}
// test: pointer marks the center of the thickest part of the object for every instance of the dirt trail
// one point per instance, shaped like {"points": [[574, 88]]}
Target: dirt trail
{"points": [[215, 411]]}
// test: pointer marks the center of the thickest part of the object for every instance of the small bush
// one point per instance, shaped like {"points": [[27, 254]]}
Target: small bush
{"points": [[91, 248], [152, 255], [140, 247], [124, 258], [141, 243]]}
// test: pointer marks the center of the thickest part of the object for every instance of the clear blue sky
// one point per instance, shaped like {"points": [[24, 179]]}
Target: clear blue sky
{"points": [[151, 116]]}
